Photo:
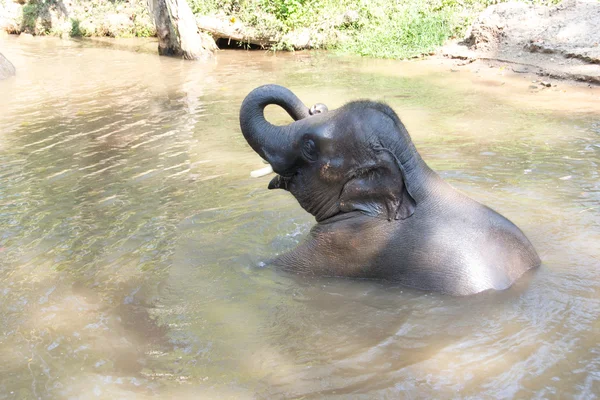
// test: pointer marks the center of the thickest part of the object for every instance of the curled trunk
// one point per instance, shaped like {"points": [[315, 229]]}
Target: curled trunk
{"points": [[276, 144]]}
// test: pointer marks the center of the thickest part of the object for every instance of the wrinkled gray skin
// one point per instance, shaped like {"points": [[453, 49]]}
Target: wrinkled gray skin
{"points": [[382, 213], [6, 68]]}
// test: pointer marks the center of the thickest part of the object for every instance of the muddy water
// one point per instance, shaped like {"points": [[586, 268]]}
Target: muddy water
{"points": [[131, 233]]}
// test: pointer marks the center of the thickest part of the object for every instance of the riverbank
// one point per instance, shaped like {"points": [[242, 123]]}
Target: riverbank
{"points": [[559, 42], [555, 41], [376, 28], [76, 18]]}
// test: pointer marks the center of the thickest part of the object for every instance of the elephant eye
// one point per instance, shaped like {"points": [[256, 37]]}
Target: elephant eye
{"points": [[309, 149]]}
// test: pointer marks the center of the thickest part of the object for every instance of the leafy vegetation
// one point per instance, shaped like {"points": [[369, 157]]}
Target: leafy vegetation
{"points": [[115, 18], [75, 28], [409, 29], [377, 28]]}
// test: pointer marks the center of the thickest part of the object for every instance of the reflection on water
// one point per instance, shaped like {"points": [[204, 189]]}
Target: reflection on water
{"points": [[131, 235]]}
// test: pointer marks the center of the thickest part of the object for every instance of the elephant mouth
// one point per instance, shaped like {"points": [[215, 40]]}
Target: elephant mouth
{"points": [[280, 182]]}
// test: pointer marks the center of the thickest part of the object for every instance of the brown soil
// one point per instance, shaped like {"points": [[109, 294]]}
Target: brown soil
{"points": [[561, 42]]}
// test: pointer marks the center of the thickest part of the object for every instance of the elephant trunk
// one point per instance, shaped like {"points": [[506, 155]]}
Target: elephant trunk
{"points": [[273, 143]]}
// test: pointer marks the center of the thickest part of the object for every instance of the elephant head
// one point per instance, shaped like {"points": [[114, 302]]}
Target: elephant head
{"points": [[358, 158]]}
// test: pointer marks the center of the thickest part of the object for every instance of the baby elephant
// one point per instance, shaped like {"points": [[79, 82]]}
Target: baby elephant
{"points": [[381, 212]]}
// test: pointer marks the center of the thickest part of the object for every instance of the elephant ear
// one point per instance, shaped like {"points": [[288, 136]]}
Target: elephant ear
{"points": [[378, 190]]}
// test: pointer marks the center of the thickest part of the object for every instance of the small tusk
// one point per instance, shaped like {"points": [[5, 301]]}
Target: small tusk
{"points": [[257, 173]]}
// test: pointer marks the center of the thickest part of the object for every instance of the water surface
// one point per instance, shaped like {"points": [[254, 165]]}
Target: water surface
{"points": [[131, 232]]}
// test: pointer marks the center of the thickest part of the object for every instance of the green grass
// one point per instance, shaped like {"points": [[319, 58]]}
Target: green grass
{"points": [[379, 28], [408, 30], [374, 28], [31, 13], [75, 28]]}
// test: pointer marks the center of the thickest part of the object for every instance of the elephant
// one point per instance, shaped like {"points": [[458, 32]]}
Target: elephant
{"points": [[6, 68], [381, 212]]}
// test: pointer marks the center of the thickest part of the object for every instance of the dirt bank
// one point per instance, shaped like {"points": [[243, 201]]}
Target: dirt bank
{"points": [[560, 42]]}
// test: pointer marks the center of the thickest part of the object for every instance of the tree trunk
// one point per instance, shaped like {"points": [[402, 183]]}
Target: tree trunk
{"points": [[177, 31]]}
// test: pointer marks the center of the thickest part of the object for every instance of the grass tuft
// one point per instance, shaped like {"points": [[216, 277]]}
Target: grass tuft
{"points": [[408, 30]]}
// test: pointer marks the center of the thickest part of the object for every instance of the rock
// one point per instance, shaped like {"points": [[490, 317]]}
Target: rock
{"points": [[458, 51], [351, 17], [87, 27], [299, 39], [546, 84], [6, 68], [346, 19], [63, 29], [465, 62], [520, 70], [10, 16], [116, 25], [561, 41]]}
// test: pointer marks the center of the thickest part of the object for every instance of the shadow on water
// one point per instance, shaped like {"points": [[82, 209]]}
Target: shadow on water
{"points": [[131, 235]]}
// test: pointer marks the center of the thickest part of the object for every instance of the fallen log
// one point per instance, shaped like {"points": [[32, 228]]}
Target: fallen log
{"points": [[233, 30]]}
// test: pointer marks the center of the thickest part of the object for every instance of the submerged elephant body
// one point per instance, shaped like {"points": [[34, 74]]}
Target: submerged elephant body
{"points": [[382, 213], [489, 252]]}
